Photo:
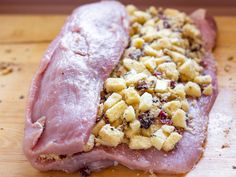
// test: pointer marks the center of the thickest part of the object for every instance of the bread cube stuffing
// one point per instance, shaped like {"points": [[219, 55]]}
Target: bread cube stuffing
{"points": [[152, 52], [133, 64], [168, 128], [112, 100], [138, 43], [191, 31], [192, 89], [131, 96], [90, 144], [187, 70], [171, 106], [145, 102], [134, 78], [169, 70], [158, 139], [115, 84], [110, 135], [179, 119], [98, 127], [161, 86], [171, 141], [150, 64], [176, 57], [141, 17], [140, 142], [179, 91], [203, 79], [208, 90], [185, 105], [135, 125], [116, 111], [129, 114], [149, 132]]}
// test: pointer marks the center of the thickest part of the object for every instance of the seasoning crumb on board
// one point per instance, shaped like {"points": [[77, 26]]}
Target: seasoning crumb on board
{"points": [[8, 50], [226, 131], [231, 58], [1, 128], [225, 146], [21, 97], [227, 68]]}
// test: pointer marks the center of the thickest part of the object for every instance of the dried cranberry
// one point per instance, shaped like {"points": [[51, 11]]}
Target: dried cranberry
{"points": [[163, 114], [106, 119], [166, 24], [136, 54], [142, 85], [85, 172], [203, 64], [172, 84], [157, 73], [166, 121], [146, 119]]}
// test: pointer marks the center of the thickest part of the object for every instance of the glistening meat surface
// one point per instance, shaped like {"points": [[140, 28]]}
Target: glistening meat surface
{"points": [[71, 137]]}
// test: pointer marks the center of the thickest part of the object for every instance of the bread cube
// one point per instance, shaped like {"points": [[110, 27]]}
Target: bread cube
{"points": [[134, 78], [90, 144], [100, 110], [158, 139], [140, 142], [135, 125], [149, 132], [163, 43], [141, 17], [171, 141], [133, 64], [138, 42], [116, 111], [150, 64], [129, 114], [176, 57], [191, 31], [179, 91], [112, 100], [162, 59], [208, 90], [185, 105], [169, 70], [98, 127], [110, 135], [131, 96], [168, 128], [192, 89], [152, 52], [171, 107], [187, 70], [161, 86], [131, 9], [203, 79], [115, 84], [145, 102], [131, 132], [179, 119], [117, 123]]}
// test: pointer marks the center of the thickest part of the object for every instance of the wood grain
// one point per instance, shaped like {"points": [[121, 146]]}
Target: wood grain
{"points": [[23, 40]]}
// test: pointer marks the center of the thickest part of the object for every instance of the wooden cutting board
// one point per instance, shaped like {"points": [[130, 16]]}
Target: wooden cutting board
{"points": [[23, 40]]}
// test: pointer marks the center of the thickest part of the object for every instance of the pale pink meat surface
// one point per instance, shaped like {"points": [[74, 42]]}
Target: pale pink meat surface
{"points": [[69, 123]]}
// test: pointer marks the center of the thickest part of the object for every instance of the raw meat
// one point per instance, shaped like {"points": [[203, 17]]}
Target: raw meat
{"points": [[65, 94]]}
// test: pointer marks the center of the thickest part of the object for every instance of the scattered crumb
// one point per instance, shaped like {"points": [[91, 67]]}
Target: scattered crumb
{"points": [[227, 68], [8, 50], [22, 97], [1, 128], [225, 146], [234, 167], [219, 154], [0, 101], [226, 132], [230, 58], [2, 85], [230, 79], [6, 68], [137, 174]]}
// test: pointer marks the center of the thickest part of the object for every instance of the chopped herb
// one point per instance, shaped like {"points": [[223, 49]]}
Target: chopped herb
{"points": [[146, 119]]}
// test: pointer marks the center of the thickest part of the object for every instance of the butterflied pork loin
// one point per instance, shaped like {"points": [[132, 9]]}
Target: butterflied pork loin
{"points": [[65, 95]]}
